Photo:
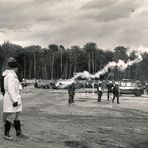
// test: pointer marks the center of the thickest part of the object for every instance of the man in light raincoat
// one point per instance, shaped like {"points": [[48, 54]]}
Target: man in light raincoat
{"points": [[12, 104]]}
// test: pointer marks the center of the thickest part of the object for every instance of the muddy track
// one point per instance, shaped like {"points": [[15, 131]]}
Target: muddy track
{"points": [[52, 123]]}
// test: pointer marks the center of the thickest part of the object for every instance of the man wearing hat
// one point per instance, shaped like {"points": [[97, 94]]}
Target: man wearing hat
{"points": [[12, 104]]}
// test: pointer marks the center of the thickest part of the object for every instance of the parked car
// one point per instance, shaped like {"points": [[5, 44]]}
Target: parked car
{"points": [[42, 84], [131, 87]]}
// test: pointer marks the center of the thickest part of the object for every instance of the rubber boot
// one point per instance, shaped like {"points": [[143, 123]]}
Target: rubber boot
{"points": [[17, 126], [7, 130]]}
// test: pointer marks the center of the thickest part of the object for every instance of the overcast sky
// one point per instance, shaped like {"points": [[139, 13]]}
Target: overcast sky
{"points": [[109, 23]]}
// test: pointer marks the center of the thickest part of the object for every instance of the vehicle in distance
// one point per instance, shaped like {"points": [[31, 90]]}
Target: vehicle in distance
{"points": [[131, 87], [42, 84]]}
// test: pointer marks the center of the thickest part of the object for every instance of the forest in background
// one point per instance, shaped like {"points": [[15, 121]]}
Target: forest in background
{"points": [[57, 62]]}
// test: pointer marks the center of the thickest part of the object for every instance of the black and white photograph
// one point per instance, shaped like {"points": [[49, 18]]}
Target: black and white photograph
{"points": [[74, 73]]}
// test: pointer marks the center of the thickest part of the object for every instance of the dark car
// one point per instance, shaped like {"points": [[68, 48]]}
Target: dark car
{"points": [[131, 87], [42, 84]]}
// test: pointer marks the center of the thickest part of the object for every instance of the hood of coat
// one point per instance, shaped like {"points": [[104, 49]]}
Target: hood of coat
{"points": [[6, 72]]}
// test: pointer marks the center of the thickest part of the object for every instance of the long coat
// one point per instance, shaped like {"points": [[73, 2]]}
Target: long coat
{"points": [[71, 90], [116, 90], [12, 92]]}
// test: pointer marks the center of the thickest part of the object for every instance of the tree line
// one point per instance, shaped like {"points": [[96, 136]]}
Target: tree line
{"points": [[57, 62]]}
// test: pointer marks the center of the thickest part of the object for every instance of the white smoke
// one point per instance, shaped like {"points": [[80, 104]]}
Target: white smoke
{"points": [[84, 74], [121, 65]]}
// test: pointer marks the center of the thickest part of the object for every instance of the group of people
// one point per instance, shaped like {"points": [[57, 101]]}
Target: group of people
{"points": [[112, 89]]}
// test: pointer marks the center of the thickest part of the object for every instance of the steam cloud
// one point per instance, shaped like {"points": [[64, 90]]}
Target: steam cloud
{"points": [[121, 65]]}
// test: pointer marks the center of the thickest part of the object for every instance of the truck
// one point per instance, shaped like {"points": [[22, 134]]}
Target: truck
{"points": [[127, 86]]}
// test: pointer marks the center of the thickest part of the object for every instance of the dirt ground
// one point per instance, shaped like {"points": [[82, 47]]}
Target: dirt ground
{"points": [[51, 123]]}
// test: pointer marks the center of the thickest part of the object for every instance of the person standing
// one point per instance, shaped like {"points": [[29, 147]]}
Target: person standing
{"points": [[12, 104], [3, 93], [146, 88], [99, 90], [116, 93], [109, 89], [71, 92]]}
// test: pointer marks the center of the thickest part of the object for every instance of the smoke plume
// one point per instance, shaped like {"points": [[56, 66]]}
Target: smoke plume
{"points": [[121, 65]]}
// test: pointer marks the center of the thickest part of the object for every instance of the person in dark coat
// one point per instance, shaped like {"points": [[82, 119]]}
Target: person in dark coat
{"points": [[146, 88], [116, 93], [99, 90], [71, 92], [109, 89], [3, 93]]}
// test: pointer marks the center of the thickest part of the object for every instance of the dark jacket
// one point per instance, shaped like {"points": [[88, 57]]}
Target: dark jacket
{"points": [[71, 89], [2, 85], [116, 90], [99, 88], [109, 87]]}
